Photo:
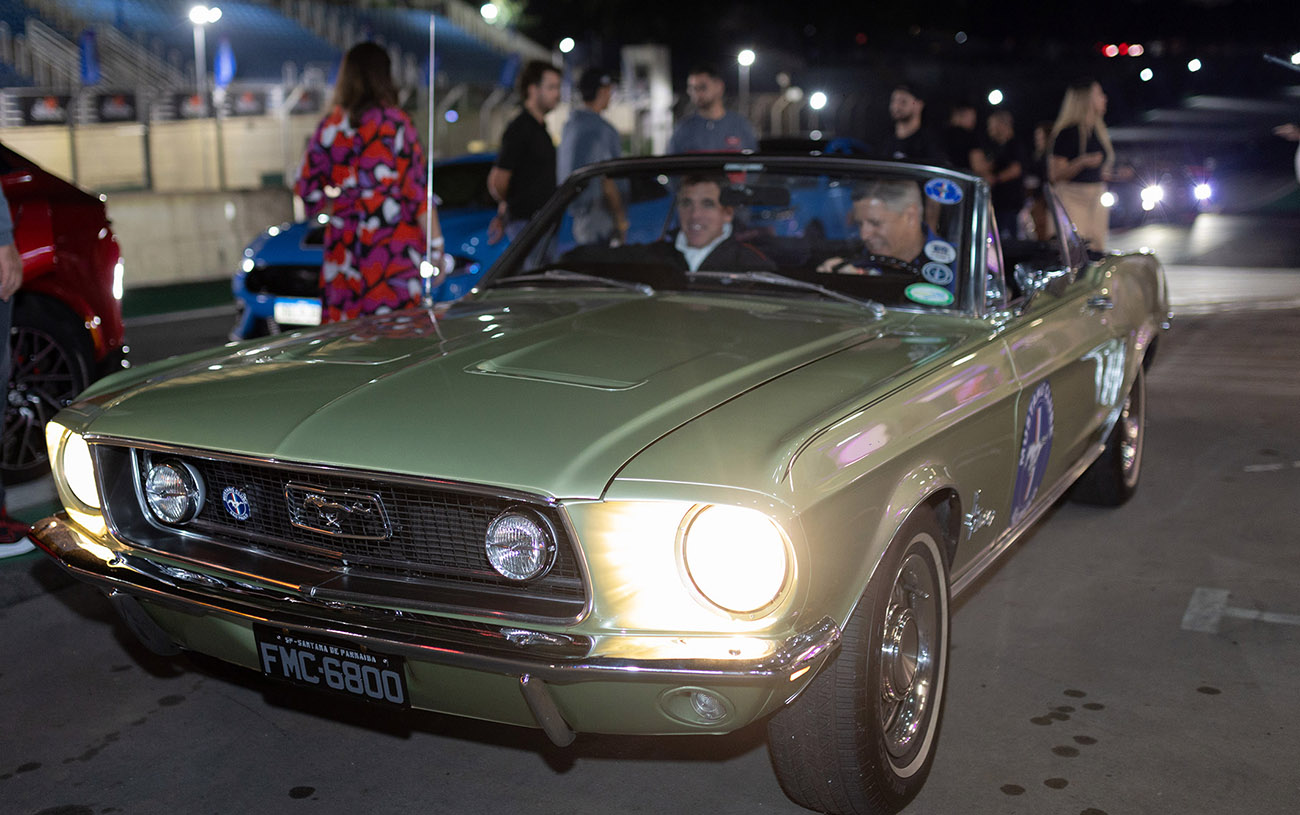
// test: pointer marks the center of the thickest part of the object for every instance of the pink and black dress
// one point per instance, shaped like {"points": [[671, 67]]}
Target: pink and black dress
{"points": [[374, 240]]}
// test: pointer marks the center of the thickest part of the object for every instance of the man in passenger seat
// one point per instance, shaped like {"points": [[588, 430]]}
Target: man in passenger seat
{"points": [[704, 238]]}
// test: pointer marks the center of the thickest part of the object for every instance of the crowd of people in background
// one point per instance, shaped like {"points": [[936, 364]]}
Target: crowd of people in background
{"points": [[377, 222], [1073, 153]]}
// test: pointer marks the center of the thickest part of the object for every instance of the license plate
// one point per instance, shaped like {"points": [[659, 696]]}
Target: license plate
{"points": [[331, 665], [296, 312]]}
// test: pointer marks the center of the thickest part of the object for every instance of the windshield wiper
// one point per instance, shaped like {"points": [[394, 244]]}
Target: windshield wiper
{"points": [[566, 276], [774, 279]]}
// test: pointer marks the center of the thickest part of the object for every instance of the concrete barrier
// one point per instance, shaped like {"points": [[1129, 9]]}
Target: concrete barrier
{"points": [[183, 237]]}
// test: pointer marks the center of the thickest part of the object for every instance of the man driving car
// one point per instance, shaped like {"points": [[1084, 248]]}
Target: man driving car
{"points": [[888, 215]]}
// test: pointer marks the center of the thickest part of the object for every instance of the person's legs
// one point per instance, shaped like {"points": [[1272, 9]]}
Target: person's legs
{"points": [[13, 534]]}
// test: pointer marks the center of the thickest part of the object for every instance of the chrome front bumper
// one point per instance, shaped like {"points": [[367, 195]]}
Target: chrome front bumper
{"points": [[542, 661]]}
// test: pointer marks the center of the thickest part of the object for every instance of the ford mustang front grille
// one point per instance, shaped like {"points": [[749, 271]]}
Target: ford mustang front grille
{"points": [[361, 532]]}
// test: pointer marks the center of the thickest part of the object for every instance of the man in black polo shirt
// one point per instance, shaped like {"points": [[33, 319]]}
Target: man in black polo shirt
{"points": [[524, 175]]}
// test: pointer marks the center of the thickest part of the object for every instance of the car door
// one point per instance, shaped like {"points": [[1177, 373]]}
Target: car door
{"points": [[1065, 361]]}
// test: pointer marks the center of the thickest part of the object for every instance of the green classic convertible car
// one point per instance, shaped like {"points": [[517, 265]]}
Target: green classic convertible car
{"points": [[714, 443]]}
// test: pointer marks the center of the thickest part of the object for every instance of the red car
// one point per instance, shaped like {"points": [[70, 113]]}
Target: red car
{"points": [[67, 326]]}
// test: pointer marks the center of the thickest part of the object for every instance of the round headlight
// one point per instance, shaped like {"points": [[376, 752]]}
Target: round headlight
{"points": [[174, 492], [520, 544], [736, 558], [78, 471]]}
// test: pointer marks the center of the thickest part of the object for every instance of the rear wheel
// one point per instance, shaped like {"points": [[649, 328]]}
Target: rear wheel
{"points": [[50, 364], [1113, 477], [861, 737]]}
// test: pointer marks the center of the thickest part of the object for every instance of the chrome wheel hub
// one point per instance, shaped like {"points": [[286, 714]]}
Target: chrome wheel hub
{"points": [[908, 652], [1130, 435]]}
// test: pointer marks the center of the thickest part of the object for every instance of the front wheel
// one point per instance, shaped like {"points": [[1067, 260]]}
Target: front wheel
{"points": [[861, 737]]}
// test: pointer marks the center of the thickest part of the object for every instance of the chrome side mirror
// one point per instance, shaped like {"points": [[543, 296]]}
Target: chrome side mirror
{"points": [[1031, 281]]}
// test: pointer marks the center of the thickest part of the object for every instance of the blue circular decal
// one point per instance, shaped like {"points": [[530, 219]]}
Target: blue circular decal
{"points": [[236, 503], [940, 251], [943, 191], [1035, 450], [937, 273]]}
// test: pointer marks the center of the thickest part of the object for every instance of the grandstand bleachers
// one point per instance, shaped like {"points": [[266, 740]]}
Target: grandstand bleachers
{"points": [[14, 13], [11, 78], [262, 39]]}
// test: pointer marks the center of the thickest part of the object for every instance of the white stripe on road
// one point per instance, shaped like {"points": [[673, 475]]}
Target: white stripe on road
{"points": [[1208, 607], [1272, 468]]}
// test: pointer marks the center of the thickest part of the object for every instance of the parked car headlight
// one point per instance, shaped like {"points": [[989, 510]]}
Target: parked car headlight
{"points": [[736, 558], [173, 491], [1203, 192], [520, 544]]}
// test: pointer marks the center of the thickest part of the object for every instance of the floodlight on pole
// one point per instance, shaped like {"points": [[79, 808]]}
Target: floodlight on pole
{"points": [[489, 12], [200, 18], [745, 59], [817, 101]]}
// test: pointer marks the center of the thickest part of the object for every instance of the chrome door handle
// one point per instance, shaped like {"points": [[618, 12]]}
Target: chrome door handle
{"points": [[1101, 303]]}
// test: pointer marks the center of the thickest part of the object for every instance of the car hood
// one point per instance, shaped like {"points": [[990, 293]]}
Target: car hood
{"points": [[529, 392]]}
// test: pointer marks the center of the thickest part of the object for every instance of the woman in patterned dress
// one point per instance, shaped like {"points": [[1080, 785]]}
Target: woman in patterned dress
{"points": [[365, 169]]}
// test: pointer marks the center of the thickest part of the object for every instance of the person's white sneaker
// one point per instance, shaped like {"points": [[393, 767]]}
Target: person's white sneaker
{"points": [[13, 537], [18, 547]]}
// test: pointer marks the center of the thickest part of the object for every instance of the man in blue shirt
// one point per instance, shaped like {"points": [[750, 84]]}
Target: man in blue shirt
{"points": [[711, 128], [598, 214]]}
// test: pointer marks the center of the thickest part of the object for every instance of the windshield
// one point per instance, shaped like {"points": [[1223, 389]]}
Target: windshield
{"points": [[854, 231]]}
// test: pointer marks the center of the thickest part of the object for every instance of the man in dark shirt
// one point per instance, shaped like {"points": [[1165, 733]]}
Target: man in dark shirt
{"points": [[1002, 164], [959, 137], [524, 175], [910, 140]]}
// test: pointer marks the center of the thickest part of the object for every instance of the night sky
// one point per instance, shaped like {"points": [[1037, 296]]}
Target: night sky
{"points": [[834, 29], [962, 46]]}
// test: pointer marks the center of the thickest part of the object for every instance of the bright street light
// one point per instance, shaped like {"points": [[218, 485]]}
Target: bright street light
{"points": [[1194, 65], [201, 17], [817, 101], [995, 97], [745, 59], [489, 11], [566, 45], [1146, 75]]}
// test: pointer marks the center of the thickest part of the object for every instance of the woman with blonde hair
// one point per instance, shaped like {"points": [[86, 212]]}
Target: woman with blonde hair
{"points": [[1080, 160]]}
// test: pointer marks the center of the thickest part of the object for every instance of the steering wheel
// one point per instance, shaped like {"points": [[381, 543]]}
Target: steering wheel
{"points": [[888, 263]]}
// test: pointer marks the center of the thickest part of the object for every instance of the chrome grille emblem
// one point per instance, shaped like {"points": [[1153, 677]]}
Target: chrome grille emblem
{"points": [[337, 513]]}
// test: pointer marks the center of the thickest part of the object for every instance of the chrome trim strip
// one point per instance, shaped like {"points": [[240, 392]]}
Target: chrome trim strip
{"points": [[414, 636], [297, 466], [1004, 541]]}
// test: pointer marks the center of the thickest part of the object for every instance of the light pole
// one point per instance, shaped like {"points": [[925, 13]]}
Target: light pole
{"points": [[745, 59], [201, 16], [817, 102]]}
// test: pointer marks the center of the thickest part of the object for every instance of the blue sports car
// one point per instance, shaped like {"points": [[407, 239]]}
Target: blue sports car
{"points": [[278, 282]]}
